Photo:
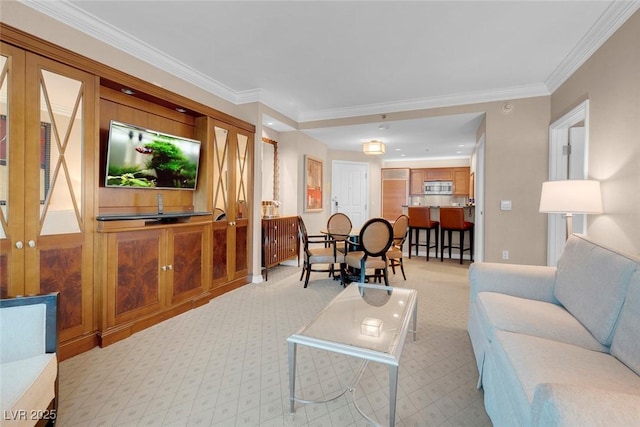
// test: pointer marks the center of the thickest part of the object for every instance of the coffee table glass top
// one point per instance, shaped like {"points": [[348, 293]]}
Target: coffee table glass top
{"points": [[364, 320]]}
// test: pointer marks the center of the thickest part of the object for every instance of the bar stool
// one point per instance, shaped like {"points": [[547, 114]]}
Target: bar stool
{"points": [[420, 219], [452, 219]]}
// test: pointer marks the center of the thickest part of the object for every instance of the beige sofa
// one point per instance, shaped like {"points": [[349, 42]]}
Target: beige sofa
{"points": [[559, 346], [28, 360]]}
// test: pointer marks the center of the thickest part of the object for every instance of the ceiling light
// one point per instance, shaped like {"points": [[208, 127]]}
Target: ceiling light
{"points": [[383, 127], [373, 147]]}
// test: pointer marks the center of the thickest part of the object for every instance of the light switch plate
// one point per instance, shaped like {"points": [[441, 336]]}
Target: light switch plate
{"points": [[505, 205]]}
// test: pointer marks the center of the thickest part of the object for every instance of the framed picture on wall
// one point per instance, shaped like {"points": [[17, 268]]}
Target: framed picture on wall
{"points": [[312, 184]]}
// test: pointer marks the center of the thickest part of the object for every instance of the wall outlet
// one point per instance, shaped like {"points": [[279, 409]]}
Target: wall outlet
{"points": [[505, 254]]}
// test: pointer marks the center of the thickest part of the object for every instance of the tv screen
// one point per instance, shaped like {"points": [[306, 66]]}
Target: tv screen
{"points": [[143, 158]]}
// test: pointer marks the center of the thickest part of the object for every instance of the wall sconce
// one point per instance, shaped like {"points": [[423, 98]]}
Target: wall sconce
{"points": [[572, 196], [371, 327], [373, 147]]}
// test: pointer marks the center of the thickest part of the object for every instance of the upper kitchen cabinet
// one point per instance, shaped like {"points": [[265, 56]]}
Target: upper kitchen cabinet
{"points": [[417, 177], [47, 170], [460, 181], [458, 175], [438, 174]]}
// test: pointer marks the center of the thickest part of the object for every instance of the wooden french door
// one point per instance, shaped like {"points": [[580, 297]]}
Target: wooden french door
{"points": [[47, 184]]}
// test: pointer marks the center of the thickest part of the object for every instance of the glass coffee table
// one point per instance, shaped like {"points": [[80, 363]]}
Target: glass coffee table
{"points": [[365, 321]]}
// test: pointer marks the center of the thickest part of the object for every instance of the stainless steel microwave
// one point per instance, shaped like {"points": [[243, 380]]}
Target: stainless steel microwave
{"points": [[438, 187]]}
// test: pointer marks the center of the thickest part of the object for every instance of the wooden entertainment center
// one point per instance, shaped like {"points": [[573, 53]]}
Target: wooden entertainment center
{"points": [[118, 264]]}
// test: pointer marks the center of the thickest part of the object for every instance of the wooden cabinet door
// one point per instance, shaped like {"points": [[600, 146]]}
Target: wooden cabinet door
{"points": [[417, 178], [232, 192], [134, 275], [461, 181], [438, 174], [47, 217], [12, 178], [187, 262]]}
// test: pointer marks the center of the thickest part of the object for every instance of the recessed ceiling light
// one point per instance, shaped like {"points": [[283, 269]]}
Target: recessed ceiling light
{"points": [[128, 91], [403, 155], [397, 149], [181, 110], [458, 152], [460, 145]]}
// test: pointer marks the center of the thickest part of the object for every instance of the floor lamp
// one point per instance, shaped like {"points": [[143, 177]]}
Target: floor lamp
{"points": [[572, 196]]}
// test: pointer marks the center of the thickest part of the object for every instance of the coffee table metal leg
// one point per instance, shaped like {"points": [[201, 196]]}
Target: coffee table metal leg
{"points": [[415, 320], [292, 376], [393, 392]]}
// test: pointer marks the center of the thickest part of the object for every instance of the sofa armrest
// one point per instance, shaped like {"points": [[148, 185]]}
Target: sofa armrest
{"points": [[525, 281], [571, 405]]}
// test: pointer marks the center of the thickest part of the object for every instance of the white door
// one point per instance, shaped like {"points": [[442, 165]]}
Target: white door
{"points": [[349, 190]]}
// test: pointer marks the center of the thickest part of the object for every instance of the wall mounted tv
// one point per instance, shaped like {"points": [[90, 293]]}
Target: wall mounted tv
{"points": [[143, 158]]}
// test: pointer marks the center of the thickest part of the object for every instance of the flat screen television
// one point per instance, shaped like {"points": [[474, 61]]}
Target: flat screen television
{"points": [[143, 158]]}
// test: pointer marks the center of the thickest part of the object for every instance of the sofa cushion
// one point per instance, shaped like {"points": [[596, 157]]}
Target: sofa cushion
{"points": [[28, 383], [538, 318], [626, 341], [522, 362], [569, 405], [591, 282], [23, 331]]}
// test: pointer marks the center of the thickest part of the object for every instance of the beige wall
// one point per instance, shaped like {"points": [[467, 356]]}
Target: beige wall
{"points": [[610, 79], [516, 143]]}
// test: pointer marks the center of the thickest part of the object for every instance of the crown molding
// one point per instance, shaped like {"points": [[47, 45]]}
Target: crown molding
{"points": [[69, 14], [608, 23], [527, 91]]}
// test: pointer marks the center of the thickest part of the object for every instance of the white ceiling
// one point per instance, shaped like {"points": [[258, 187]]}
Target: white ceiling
{"points": [[314, 60]]}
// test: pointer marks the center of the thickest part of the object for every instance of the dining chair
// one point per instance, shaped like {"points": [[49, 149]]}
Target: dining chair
{"points": [[323, 253], [394, 254], [339, 226], [374, 240]]}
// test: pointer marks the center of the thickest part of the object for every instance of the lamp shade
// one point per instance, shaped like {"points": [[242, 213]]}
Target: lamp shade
{"points": [[581, 196], [373, 147]]}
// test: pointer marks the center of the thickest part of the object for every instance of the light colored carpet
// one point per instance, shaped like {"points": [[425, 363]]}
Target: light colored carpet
{"points": [[225, 364]]}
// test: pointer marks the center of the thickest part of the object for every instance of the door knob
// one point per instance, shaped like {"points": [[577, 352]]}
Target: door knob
{"points": [[19, 244], [32, 244]]}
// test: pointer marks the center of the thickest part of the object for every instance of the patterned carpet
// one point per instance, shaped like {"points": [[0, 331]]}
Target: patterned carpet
{"points": [[225, 364]]}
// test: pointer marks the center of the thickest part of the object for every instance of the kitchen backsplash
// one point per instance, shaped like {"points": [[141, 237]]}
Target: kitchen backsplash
{"points": [[438, 200]]}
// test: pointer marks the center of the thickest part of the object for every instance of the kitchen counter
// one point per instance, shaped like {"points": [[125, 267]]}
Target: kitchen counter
{"points": [[469, 211]]}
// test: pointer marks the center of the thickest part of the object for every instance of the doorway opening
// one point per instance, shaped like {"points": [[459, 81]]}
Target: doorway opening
{"points": [[568, 159]]}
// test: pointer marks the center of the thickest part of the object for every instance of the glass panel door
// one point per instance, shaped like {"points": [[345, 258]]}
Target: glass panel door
{"points": [[12, 182], [220, 174], [60, 174], [242, 176]]}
